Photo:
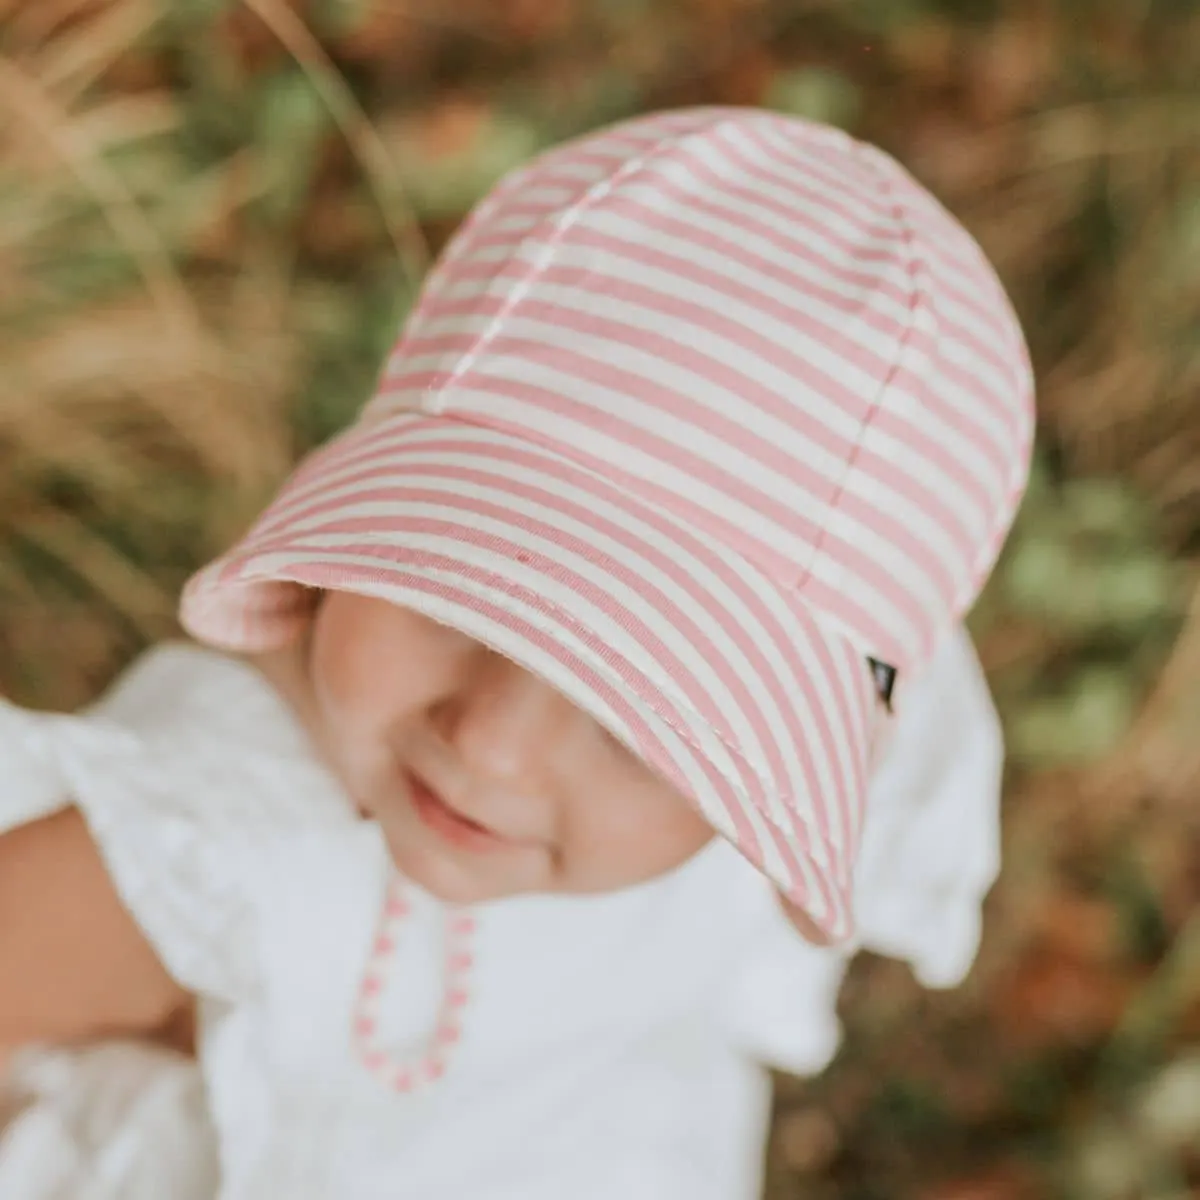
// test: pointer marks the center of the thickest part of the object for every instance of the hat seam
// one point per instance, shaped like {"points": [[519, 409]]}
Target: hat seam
{"points": [[1022, 381], [562, 223], [919, 295]]}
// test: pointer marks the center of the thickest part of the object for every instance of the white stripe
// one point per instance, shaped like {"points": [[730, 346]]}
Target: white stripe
{"points": [[903, 454], [812, 689], [568, 599], [927, 427], [329, 549], [833, 252], [828, 272], [692, 391], [853, 681], [993, 420], [624, 265], [692, 387], [347, 507], [556, 429], [803, 181], [732, 352], [763, 705], [839, 577], [341, 499], [961, 274]]}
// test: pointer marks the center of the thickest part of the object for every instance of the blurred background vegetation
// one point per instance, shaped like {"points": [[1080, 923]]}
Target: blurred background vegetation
{"points": [[213, 214]]}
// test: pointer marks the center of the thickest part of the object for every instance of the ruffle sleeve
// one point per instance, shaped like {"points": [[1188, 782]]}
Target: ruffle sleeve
{"points": [[185, 771]]}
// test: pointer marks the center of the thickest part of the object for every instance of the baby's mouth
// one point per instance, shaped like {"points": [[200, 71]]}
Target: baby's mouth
{"points": [[437, 814]]}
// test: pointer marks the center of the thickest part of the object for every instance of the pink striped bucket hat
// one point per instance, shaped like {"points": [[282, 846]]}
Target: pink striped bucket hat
{"points": [[694, 418]]}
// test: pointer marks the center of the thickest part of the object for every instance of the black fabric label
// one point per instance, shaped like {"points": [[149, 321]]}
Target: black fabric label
{"points": [[885, 681]]}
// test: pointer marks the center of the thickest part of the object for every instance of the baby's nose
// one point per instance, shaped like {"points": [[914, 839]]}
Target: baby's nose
{"points": [[504, 721]]}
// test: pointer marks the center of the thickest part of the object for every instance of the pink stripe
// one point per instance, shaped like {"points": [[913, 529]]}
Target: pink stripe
{"points": [[765, 555], [380, 444], [848, 718], [966, 417], [839, 304], [894, 188], [963, 277], [831, 903], [377, 462], [869, 464], [626, 382], [785, 163], [875, 238], [907, 484], [700, 318], [330, 573], [945, 469], [817, 211], [885, 640], [955, 284], [618, 248], [849, 309], [655, 752], [364, 480], [622, 535], [533, 560], [737, 537], [848, 272]]}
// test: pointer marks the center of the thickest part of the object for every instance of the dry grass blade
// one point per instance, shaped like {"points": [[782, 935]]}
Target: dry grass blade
{"points": [[203, 398], [445, 17], [1162, 754], [126, 119], [56, 439], [43, 118], [76, 58], [1089, 130], [142, 601], [1161, 1003], [356, 128], [35, 23]]}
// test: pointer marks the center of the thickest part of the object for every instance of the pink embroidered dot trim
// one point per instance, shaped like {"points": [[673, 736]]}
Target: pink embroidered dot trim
{"points": [[425, 1063]]}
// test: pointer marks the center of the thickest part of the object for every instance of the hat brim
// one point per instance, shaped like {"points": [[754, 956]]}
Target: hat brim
{"points": [[716, 675]]}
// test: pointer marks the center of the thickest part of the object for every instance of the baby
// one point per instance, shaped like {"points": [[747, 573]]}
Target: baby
{"points": [[703, 436]]}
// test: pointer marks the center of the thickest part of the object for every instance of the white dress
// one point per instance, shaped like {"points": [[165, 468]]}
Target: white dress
{"points": [[612, 1047]]}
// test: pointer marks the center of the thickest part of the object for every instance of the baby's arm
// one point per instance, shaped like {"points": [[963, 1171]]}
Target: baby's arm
{"points": [[73, 963], [132, 843]]}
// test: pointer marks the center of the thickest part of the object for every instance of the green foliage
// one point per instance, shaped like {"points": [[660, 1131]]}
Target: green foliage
{"points": [[817, 93]]}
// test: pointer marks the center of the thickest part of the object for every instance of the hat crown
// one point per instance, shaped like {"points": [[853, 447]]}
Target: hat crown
{"points": [[762, 326]]}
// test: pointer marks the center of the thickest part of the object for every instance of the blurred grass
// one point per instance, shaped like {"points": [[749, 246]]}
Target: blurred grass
{"points": [[213, 215]]}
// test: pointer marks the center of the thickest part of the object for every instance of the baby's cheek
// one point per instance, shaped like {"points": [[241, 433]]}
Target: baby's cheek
{"points": [[639, 831]]}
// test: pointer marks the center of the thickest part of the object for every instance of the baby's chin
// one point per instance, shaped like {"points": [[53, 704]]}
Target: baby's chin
{"points": [[457, 880]]}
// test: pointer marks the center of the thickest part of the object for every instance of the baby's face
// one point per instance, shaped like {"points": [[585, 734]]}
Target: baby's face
{"points": [[485, 781]]}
